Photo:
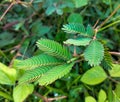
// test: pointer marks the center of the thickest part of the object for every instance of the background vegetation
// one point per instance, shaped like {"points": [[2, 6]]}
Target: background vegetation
{"points": [[23, 23]]}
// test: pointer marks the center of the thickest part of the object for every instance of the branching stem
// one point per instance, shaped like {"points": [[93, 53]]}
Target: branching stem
{"points": [[102, 24], [9, 7]]}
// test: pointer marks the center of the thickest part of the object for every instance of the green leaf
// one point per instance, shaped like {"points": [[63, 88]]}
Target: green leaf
{"points": [[89, 31], [115, 97], [75, 18], [107, 61], [94, 76], [6, 95], [78, 41], [94, 53], [117, 90], [21, 92], [59, 11], [53, 48], [4, 79], [102, 96], [74, 28], [7, 75], [34, 74], [37, 61], [39, 29], [50, 10], [108, 2], [80, 3], [6, 38], [89, 99], [110, 93], [37, 1], [115, 71], [55, 73]]}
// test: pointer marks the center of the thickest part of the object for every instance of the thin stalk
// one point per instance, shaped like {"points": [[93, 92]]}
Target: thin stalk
{"points": [[109, 25], [9, 7], [102, 24]]}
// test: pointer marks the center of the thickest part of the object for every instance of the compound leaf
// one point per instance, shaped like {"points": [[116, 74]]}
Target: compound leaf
{"points": [[37, 61], [74, 28], [34, 74], [107, 61], [78, 42], [53, 48], [55, 73], [94, 53]]}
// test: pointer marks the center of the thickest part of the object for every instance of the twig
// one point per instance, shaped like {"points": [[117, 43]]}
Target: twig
{"points": [[9, 7], [109, 16], [115, 53], [56, 98], [107, 26], [42, 97], [96, 23], [9, 25], [75, 52], [31, 1], [113, 80]]}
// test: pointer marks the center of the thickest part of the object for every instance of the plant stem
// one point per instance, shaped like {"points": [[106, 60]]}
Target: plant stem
{"points": [[56, 98], [9, 7], [115, 81], [109, 16], [111, 24], [115, 53]]}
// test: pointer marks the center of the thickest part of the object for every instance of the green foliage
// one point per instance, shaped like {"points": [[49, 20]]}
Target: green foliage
{"points": [[6, 38], [37, 61], [34, 74], [79, 69], [89, 99], [78, 42], [102, 96], [94, 53], [53, 48], [39, 29], [107, 60], [6, 95], [8, 75], [74, 28], [22, 91], [89, 30], [94, 76], [117, 90], [75, 18], [115, 71], [55, 73], [80, 3]]}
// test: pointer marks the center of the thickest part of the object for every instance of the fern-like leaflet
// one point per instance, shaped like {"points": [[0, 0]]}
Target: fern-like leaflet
{"points": [[34, 74], [78, 42], [53, 48], [94, 53], [89, 31], [107, 61], [37, 61], [74, 28], [55, 73]]}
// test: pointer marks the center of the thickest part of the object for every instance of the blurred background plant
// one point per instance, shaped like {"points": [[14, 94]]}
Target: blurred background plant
{"points": [[22, 23]]}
